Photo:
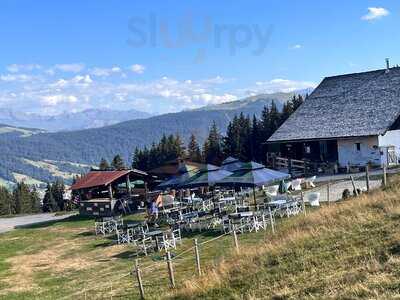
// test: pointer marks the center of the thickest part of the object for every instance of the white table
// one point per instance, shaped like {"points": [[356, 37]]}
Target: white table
{"points": [[227, 199], [277, 202]]}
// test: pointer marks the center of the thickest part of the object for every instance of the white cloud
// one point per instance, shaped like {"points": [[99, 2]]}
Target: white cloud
{"points": [[52, 100], [82, 79], [78, 80], [296, 47], [49, 93], [15, 77], [50, 72], [216, 80], [55, 92], [375, 13], [215, 99], [280, 85], [183, 94], [73, 68], [105, 72], [138, 69], [15, 68]]}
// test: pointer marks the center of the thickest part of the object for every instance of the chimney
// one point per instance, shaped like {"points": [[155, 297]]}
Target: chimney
{"points": [[387, 65]]}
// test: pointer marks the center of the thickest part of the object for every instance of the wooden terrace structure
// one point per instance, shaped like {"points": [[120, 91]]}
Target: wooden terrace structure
{"points": [[107, 193]]}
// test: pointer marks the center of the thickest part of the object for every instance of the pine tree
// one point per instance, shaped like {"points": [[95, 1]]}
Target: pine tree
{"points": [[118, 163], [256, 142], [49, 204], [231, 144], [194, 152], [244, 138], [103, 166], [6, 207], [274, 117], [287, 110], [179, 148], [58, 189], [35, 201], [212, 147], [296, 102], [21, 197]]}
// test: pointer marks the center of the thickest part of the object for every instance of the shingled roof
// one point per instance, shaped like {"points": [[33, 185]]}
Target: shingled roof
{"points": [[361, 104]]}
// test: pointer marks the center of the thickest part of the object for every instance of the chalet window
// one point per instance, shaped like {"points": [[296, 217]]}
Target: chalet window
{"points": [[358, 146], [307, 149]]}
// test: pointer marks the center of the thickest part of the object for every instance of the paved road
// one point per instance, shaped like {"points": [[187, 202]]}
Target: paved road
{"points": [[7, 224]]}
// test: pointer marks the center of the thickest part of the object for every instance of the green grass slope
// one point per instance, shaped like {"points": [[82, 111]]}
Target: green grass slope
{"points": [[349, 250], [346, 251]]}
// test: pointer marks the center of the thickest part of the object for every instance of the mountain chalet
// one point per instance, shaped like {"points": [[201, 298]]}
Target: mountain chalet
{"points": [[349, 120]]}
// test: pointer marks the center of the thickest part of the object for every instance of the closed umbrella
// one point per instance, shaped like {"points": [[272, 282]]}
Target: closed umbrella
{"points": [[253, 174]]}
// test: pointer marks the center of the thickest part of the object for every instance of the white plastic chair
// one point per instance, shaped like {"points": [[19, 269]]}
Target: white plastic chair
{"points": [[310, 181], [296, 184], [165, 242], [145, 246], [176, 235], [313, 198], [123, 236], [288, 185], [271, 190]]}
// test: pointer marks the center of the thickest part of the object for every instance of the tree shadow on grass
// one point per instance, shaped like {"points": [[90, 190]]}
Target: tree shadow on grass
{"points": [[199, 234], [132, 254], [86, 233], [129, 254], [108, 241], [105, 244]]}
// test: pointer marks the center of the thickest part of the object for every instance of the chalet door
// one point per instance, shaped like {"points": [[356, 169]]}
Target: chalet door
{"points": [[323, 150], [391, 156]]}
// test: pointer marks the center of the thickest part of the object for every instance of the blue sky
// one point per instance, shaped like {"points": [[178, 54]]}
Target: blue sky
{"points": [[164, 56]]}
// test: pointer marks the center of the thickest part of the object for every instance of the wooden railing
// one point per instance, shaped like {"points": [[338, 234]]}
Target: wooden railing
{"points": [[295, 167]]}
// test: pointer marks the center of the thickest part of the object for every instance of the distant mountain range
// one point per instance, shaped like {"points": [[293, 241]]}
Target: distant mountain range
{"points": [[90, 118], [250, 105], [44, 156]]}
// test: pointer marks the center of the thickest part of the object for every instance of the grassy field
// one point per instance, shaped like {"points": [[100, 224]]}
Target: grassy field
{"points": [[348, 250]]}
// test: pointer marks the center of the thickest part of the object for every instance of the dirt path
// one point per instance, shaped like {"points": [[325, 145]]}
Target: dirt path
{"points": [[336, 189], [325, 178]]}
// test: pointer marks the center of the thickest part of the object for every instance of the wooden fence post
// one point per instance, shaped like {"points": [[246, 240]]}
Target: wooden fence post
{"points": [[235, 239], [354, 186], [384, 176], [170, 270], [367, 177], [197, 254], [328, 188], [303, 203], [139, 279], [271, 219]]}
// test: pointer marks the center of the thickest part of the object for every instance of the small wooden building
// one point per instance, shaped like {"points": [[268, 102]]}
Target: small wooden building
{"points": [[107, 193], [174, 167], [349, 120]]}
